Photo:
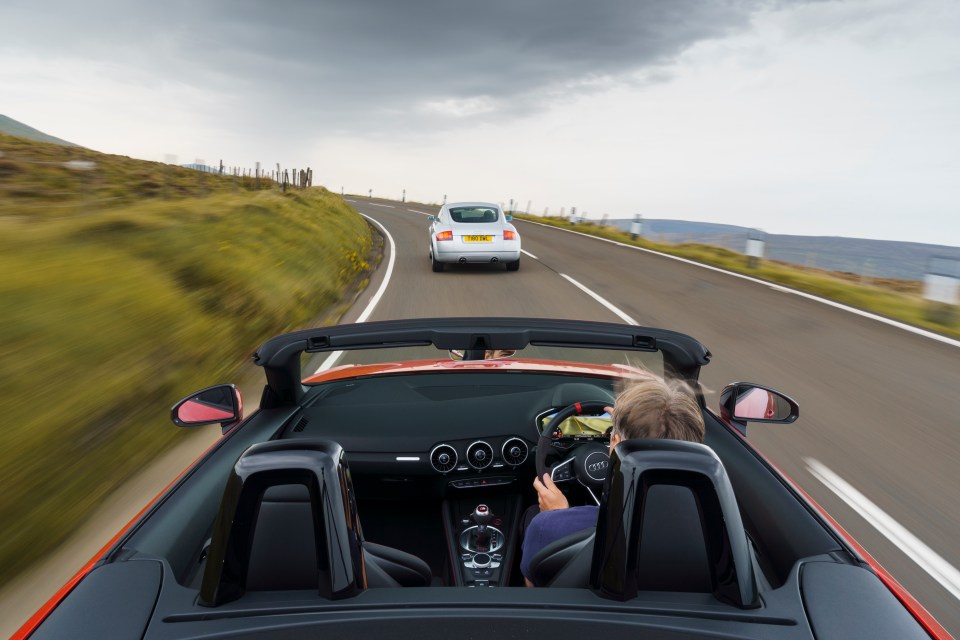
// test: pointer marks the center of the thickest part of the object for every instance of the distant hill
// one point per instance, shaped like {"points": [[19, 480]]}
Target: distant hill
{"points": [[11, 127], [873, 258]]}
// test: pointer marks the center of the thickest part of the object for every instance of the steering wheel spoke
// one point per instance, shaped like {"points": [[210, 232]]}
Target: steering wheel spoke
{"points": [[563, 472]]}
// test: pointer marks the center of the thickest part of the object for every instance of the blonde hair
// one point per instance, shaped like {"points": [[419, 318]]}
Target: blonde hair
{"points": [[657, 408]]}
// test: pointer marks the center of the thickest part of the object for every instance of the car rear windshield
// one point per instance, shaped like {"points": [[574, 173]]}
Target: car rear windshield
{"points": [[473, 214]]}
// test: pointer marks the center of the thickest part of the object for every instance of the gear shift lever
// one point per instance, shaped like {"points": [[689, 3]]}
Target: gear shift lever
{"points": [[482, 516]]}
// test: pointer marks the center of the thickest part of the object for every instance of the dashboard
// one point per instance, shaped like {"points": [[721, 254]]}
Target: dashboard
{"points": [[449, 431]]}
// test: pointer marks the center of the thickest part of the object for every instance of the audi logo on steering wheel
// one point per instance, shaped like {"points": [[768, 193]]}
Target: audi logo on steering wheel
{"points": [[598, 466]]}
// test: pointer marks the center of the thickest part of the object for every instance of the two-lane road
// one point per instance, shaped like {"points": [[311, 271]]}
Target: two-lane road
{"points": [[878, 440]]}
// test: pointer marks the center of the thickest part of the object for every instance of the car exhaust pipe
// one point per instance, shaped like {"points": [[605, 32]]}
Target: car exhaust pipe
{"points": [[494, 260], [462, 261]]}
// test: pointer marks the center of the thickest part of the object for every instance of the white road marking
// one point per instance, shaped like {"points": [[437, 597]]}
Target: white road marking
{"points": [[420, 212], [527, 253], [388, 206], [601, 300], [334, 356], [349, 200], [776, 287], [928, 559]]}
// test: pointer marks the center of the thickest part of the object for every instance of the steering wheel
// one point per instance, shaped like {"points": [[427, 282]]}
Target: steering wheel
{"points": [[589, 463]]}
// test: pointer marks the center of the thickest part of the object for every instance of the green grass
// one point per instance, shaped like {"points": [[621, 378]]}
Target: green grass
{"points": [[35, 181], [909, 308], [111, 313]]}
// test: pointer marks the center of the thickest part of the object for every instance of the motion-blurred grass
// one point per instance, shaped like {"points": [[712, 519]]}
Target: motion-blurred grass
{"points": [[111, 313], [898, 300]]}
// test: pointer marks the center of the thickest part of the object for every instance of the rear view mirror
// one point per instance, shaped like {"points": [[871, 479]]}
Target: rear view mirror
{"points": [[747, 402], [221, 403], [508, 218], [431, 218]]}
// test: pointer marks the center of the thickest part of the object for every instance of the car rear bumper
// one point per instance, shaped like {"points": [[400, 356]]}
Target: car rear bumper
{"points": [[507, 255]]}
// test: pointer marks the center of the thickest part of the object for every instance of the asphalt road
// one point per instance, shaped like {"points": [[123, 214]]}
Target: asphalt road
{"points": [[879, 405]]}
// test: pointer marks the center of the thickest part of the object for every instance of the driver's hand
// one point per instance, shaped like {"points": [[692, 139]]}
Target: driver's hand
{"points": [[549, 496]]}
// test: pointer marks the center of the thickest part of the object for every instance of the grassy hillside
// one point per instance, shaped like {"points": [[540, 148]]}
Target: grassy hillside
{"points": [[906, 306], [147, 283]]}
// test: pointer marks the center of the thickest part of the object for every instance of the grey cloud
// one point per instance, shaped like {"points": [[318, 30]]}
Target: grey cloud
{"points": [[367, 65]]}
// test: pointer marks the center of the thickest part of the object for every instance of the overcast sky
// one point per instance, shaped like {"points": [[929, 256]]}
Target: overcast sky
{"points": [[821, 118]]}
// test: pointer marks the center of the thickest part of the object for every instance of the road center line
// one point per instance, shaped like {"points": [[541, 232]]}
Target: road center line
{"points": [[600, 299], [388, 206], [334, 356], [772, 285], [420, 212], [527, 253], [928, 559]]}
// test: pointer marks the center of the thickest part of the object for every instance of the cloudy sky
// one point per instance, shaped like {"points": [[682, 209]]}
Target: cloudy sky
{"points": [[834, 117]]}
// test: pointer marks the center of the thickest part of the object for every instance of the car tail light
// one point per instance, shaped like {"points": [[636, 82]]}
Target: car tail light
{"points": [[509, 235], [445, 235]]}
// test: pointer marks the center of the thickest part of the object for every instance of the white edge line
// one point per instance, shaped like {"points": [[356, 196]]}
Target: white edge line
{"points": [[777, 287], [928, 559], [334, 356], [601, 300], [527, 253]]}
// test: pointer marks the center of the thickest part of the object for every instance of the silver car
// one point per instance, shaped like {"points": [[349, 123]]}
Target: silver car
{"points": [[473, 232]]}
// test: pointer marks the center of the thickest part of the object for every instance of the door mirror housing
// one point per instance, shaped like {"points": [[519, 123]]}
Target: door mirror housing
{"points": [[431, 218], [221, 403], [508, 218], [743, 402]]}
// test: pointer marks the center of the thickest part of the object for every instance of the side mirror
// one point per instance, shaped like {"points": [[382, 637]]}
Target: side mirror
{"points": [[741, 402], [431, 218], [508, 218], [221, 403]]}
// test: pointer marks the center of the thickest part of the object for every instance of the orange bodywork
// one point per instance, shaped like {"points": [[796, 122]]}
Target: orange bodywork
{"points": [[437, 366]]}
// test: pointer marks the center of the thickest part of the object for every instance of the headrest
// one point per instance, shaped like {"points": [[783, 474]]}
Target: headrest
{"points": [[636, 467], [320, 469]]}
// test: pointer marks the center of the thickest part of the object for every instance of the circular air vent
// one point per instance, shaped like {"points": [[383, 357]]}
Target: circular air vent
{"points": [[479, 455], [514, 451], [443, 457]]}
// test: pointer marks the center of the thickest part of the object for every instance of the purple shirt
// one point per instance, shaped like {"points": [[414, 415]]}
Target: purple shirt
{"points": [[549, 526]]}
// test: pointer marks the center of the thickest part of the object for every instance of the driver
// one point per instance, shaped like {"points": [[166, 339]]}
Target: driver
{"points": [[650, 408]]}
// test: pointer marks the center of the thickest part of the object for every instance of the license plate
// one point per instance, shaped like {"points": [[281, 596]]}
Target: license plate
{"points": [[478, 238]]}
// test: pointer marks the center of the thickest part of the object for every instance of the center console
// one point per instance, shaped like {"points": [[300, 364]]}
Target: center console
{"points": [[483, 538]]}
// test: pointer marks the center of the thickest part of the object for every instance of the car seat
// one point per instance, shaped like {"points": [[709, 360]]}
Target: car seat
{"points": [[288, 520], [672, 502]]}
